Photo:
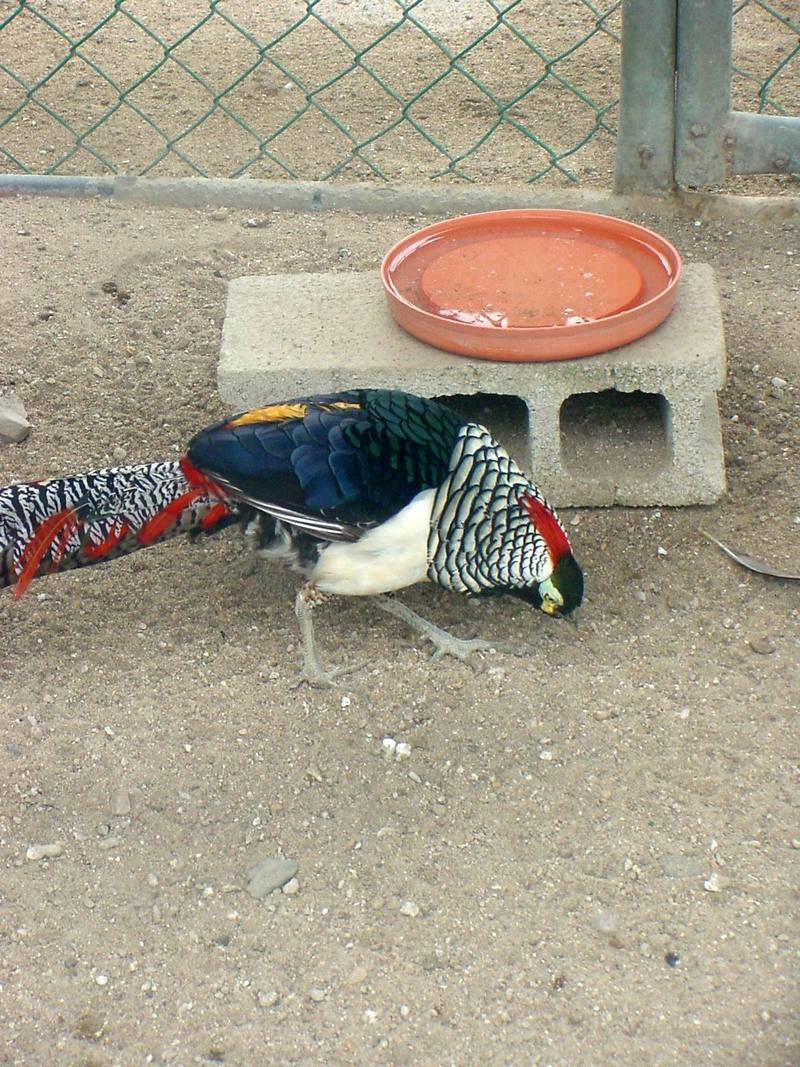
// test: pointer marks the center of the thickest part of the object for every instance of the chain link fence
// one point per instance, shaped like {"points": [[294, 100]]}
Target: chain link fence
{"points": [[766, 57], [475, 90]]}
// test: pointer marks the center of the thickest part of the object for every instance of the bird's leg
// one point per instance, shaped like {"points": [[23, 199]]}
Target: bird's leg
{"points": [[307, 599], [445, 644]]}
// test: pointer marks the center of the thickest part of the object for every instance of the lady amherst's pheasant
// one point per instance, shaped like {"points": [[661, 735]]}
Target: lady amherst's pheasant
{"points": [[364, 492]]}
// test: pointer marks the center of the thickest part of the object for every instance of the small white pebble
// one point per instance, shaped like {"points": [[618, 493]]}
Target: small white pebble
{"points": [[415, 777], [120, 802], [405, 1011], [604, 922], [388, 744], [42, 852], [713, 884], [661, 551], [292, 888], [345, 702], [408, 907], [357, 976], [101, 979], [402, 750], [107, 843], [546, 754], [317, 995]]}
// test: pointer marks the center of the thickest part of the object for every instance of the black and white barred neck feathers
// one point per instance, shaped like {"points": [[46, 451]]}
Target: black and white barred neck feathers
{"points": [[480, 537]]}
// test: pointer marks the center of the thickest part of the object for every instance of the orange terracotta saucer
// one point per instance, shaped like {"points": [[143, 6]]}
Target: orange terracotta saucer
{"points": [[526, 285]]}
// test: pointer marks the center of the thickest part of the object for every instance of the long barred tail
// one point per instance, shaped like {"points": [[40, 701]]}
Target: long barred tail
{"points": [[88, 518]]}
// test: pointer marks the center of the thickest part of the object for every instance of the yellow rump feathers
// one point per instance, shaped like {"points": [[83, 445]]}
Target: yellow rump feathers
{"points": [[281, 412]]}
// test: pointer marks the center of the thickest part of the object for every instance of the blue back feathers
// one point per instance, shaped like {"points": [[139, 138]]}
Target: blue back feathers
{"points": [[355, 456]]}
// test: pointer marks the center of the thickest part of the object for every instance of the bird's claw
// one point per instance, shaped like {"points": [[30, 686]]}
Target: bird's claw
{"points": [[462, 648], [320, 680], [317, 678], [458, 647]]}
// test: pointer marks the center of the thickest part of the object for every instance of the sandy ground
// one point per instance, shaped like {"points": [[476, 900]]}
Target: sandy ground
{"points": [[598, 843], [590, 855]]}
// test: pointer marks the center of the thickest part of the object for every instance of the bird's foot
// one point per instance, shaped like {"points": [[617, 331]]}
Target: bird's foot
{"points": [[445, 644], [314, 675]]}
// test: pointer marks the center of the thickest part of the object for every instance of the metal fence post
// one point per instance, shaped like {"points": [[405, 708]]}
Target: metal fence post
{"points": [[645, 143], [705, 30]]}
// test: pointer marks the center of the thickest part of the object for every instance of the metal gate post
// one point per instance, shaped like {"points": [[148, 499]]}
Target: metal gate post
{"points": [[703, 91], [645, 143]]}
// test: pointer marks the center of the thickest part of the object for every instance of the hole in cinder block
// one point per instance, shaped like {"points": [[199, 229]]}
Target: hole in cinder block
{"points": [[612, 433], [505, 416]]}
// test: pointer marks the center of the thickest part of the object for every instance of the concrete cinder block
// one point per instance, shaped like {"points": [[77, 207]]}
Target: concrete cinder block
{"points": [[636, 426]]}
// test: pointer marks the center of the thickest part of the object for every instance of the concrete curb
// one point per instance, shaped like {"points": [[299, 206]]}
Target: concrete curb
{"points": [[255, 194]]}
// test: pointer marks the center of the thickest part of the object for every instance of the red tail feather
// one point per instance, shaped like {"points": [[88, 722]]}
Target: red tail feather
{"points": [[113, 538], [212, 517], [114, 511], [63, 523], [160, 523], [59, 547]]}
